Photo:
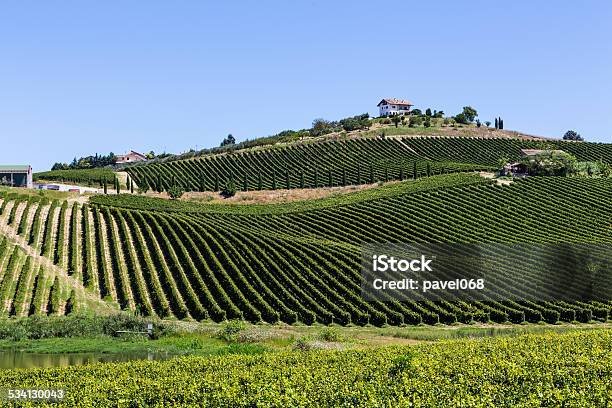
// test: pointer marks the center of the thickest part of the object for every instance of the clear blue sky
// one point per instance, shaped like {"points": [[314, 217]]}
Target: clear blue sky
{"points": [[80, 77]]}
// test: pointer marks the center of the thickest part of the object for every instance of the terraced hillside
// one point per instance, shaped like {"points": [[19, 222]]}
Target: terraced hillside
{"points": [[323, 164], [354, 161], [301, 261], [33, 278]]}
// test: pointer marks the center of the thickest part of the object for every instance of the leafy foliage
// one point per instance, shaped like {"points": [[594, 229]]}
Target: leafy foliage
{"points": [[534, 370]]}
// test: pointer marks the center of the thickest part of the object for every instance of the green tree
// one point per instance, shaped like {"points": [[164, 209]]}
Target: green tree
{"points": [[216, 186], [273, 179], [470, 113], [228, 141], [396, 119], [572, 135], [415, 121], [320, 127], [229, 189], [428, 112], [259, 181]]}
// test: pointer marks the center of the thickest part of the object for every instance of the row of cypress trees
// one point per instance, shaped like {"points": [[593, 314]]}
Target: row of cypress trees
{"points": [[285, 180]]}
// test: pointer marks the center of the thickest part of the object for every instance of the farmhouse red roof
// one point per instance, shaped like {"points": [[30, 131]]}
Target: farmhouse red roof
{"points": [[395, 101]]}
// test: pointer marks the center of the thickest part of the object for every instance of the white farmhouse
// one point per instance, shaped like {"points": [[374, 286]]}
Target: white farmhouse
{"points": [[130, 157], [393, 106]]}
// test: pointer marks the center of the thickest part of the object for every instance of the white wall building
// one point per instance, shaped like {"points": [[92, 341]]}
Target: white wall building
{"points": [[393, 106], [130, 157]]}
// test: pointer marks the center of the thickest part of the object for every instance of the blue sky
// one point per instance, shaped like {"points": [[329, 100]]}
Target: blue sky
{"points": [[80, 77]]}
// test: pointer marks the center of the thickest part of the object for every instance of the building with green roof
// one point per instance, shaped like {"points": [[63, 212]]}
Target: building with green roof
{"points": [[16, 175]]}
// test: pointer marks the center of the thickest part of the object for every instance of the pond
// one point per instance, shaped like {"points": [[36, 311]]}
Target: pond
{"points": [[21, 359]]}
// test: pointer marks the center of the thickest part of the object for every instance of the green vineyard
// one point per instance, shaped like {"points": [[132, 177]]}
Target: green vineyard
{"points": [[553, 370], [340, 163], [91, 177], [298, 262]]}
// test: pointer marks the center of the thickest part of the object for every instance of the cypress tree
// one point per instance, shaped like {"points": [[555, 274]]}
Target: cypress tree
{"points": [[501, 121], [302, 179], [401, 176], [330, 179], [131, 186], [273, 179], [172, 181], [496, 124], [386, 174], [117, 185], [428, 169], [104, 185], [287, 180], [160, 183], [202, 182], [414, 170], [371, 174], [259, 181], [245, 183]]}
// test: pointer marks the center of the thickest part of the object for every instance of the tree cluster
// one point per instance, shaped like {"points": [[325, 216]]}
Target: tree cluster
{"points": [[572, 135], [88, 162]]}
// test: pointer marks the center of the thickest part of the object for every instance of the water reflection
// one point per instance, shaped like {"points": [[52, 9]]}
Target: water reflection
{"points": [[21, 359]]}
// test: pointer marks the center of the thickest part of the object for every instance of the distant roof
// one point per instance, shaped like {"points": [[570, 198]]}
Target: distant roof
{"points": [[17, 167], [133, 152], [395, 101], [534, 152]]}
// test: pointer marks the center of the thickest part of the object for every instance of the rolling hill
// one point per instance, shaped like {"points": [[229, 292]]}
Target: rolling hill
{"points": [[296, 262], [352, 161]]}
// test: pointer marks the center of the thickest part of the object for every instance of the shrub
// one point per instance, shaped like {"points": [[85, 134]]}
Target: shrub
{"points": [[230, 330], [330, 334], [175, 192], [229, 189]]}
